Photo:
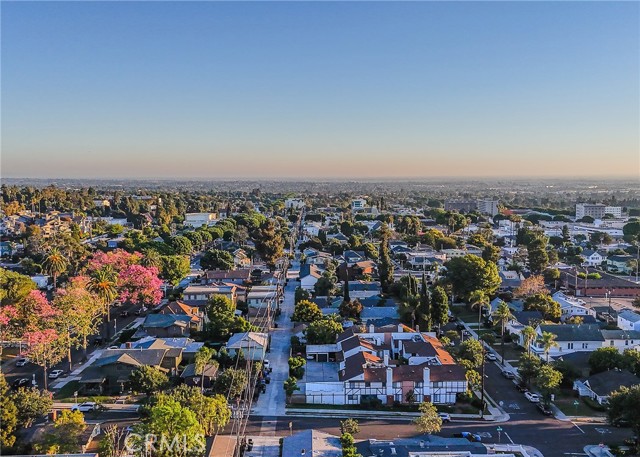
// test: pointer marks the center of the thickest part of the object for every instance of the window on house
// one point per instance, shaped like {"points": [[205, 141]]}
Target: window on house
{"points": [[569, 345], [626, 342], [585, 345], [611, 343]]}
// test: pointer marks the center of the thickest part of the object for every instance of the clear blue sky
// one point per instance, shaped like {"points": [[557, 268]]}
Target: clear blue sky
{"points": [[206, 89]]}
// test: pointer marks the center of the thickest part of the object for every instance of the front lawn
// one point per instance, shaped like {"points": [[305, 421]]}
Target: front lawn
{"points": [[565, 402]]}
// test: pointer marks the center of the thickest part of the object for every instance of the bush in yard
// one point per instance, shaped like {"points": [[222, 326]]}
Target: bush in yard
{"points": [[296, 367]]}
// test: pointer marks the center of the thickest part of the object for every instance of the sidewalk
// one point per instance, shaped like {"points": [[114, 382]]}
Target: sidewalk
{"points": [[76, 373], [388, 415]]}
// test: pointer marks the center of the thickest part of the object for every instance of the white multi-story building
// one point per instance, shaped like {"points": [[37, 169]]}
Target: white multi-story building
{"points": [[597, 210], [489, 207], [358, 204], [296, 203], [199, 219]]}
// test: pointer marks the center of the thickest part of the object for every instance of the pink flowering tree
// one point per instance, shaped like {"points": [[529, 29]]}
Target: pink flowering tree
{"points": [[7, 317], [136, 283], [46, 348], [140, 285], [34, 313]]}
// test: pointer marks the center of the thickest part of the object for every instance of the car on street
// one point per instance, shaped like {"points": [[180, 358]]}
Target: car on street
{"points": [[22, 361], [521, 388], [55, 374], [459, 326], [533, 398], [508, 374], [84, 407], [544, 409], [114, 347], [490, 356], [445, 417], [473, 437], [22, 382]]}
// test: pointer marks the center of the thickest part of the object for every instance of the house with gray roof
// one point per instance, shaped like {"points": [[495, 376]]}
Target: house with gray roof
{"points": [[621, 339], [167, 325], [252, 344], [570, 338], [600, 386], [423, 446], [628, 320]]}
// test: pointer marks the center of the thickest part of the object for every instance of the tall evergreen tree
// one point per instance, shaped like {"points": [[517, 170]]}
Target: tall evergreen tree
{"points": [[346, 296], [425, 304], [439, 306], [385, 266]]}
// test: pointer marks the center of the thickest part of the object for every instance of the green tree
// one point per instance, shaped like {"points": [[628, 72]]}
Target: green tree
{"points": [[471, 350], [290, 386], [14, 287], [529, 367], [502, 315], [350, 309], [181, 245], [624, 405], [544, 303], [537, 255], [174, 268], [103, 284], [428, 421], [306, 311], [202, 360], [349, 426], [385, 266], [55, 264], [528, 335], [548, 341], [151, 258], [170, 419], [216, 259], [323, 331], [212, 412], [31, 404], [65, 438], [269, 243], [439, 306], [631, 360], [300, 295], [8, 415], [425, 307], [148, 379], [222, 320], [470, 273], [606, 358], [548, 380], [478, 299], [296, 367], [491, 253], [232, 382], [325, 284]]}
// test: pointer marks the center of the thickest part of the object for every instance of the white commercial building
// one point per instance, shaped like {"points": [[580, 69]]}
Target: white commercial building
{"points": [[199, 219]]}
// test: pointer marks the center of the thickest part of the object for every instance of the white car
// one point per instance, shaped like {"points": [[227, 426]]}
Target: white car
{"points": [[266, 364], [84, 407], [55, 374], [445, 417], [490, 356], [533, 398], [21, 362]]}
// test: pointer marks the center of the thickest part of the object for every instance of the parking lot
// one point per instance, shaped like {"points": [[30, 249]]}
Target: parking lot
{"points": [[321, 372]]}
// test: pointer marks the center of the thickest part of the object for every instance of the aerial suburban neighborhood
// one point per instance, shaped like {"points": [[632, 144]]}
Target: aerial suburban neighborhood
{"points": [[267, 312], [320, 229]]}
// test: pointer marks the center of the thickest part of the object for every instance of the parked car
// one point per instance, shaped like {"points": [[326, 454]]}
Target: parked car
{"points": [[490, 356], [22, 361], [266, 364], [55, 374], [521, 388], [22, 382], [267, 379], [459, 326], [620, 422], [533, 398], [508, 374], [470, 436], [84, 407], [124, 314], [445, 417], [544, 409]]}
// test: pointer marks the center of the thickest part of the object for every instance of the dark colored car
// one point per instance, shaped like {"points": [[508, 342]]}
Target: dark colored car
{"points": [[124, 314], [22, 382], [544, 409], [620, 422], [459, 326], [521, 387]]}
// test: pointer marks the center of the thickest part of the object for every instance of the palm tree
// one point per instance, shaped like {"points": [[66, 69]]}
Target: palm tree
{"points": [[151, 258], [548, 341], [202, 360], [103, 284], [478, 298], [528, 337], [55, 263], [503, 316]]}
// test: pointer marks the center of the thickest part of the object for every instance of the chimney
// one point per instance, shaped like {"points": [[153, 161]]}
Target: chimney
{"points": [[426, 375], [389, 378], [385, 359], [417, 328], [128, 345], [422, 444], [372, 328]]}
